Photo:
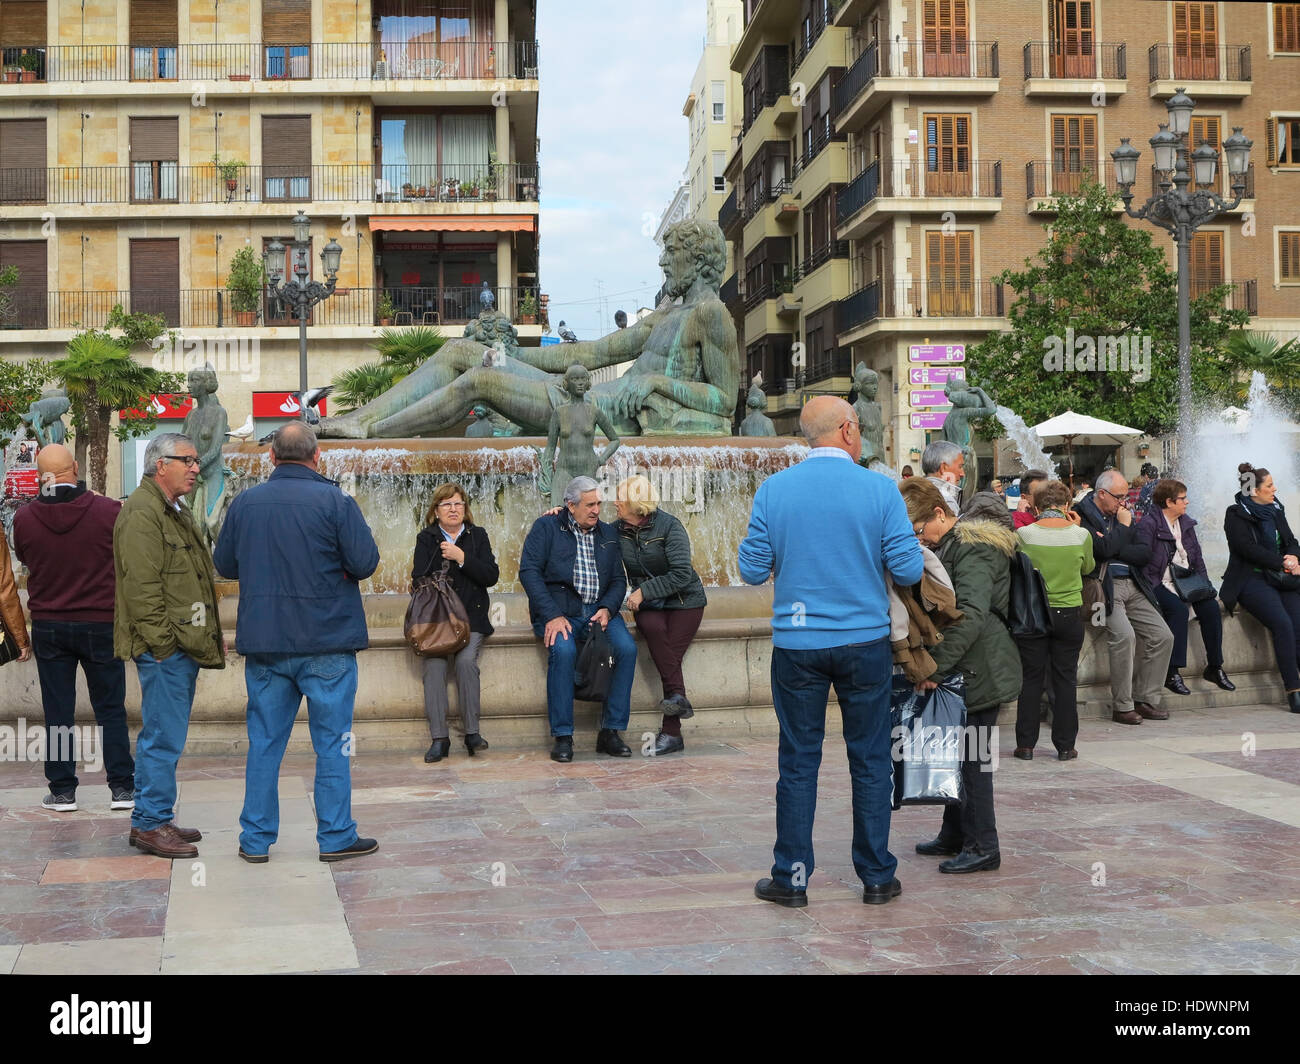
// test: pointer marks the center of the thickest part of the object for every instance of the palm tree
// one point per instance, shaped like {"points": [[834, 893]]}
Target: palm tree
{"points": [[1278, 360], [401, 351], [100, 376]]}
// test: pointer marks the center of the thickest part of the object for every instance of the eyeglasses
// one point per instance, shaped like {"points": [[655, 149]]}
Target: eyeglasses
{"points": [[190, 460], [451, 506], [1117, 498], [855, 424]]}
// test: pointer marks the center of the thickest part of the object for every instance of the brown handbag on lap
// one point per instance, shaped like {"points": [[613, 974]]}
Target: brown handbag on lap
{"points": [[436, 624]]}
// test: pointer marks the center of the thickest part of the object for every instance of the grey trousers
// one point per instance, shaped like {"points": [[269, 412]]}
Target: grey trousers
{"points": [[1140, 645], [435, 688]]}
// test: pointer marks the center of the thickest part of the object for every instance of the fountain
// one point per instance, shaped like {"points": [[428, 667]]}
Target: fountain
{"points": [[1028, 445]]}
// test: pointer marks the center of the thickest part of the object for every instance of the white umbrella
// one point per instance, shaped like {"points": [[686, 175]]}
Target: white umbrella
{"points": [[1088, 431]]}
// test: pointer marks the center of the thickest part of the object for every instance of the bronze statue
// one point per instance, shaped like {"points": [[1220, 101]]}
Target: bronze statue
{"points": [[684, 379], [45, 416], [206, 425], [968, 404], [871, 424], [481, 426], [573, 431], [756, 422]]}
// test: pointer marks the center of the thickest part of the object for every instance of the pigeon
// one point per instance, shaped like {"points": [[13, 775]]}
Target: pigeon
{"points": [[244, 432], [308, 400], [487, 300], [267, 438], [567, 334]]}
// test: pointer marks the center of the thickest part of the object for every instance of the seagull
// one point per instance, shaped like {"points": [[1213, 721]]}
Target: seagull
{"points": [[757, 381], [308, 400], [567, 334], [244, 432]]}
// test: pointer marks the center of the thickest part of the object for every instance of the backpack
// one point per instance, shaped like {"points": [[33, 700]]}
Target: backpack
{"points": [[1028, 615]]}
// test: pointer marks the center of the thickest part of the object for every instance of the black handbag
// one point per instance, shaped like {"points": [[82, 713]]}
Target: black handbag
{"points": [[593, 671], [1282, 581], [9, 645], [1191, 585]]}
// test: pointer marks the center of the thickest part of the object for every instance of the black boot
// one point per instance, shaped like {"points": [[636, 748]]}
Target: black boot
{"points": [[474, 743], [440, 749], [1293, 701], [609, 742]]}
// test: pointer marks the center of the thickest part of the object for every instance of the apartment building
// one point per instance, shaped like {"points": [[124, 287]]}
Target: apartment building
{"points": [[143, 142], [926, 118]]}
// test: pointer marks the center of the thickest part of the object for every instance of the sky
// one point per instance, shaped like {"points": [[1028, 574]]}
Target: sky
{"points": [[614, 75]]}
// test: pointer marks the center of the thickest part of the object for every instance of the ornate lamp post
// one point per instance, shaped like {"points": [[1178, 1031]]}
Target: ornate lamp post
{"points": [[1178, 211], [301, 294]]}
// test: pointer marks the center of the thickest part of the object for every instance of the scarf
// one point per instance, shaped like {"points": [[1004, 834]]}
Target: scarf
{"points": [[1266, 514]]}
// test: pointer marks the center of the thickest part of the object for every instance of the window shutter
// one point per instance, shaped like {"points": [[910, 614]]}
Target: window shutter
{"points": [[1270, 137], [286, 21], [154, 22], [30, 294], [1286, 27], [154, 139], [1207, 261], [22, 161], [155, 278], [22, 23], [1288, 254], [286, 151]]}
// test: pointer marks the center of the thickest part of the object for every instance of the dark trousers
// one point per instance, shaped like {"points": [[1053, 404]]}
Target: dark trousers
{"points": [[668, 634], [1174, 611], [60, 646], [972, 825], [1060, 652], [1279, 612], [801, 681]]}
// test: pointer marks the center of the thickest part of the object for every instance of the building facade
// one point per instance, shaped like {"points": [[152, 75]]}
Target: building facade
{"points": [[886, 145], [143, 142]]}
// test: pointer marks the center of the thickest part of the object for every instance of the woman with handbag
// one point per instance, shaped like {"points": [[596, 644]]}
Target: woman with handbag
{"points": [[14, 644], [453, 541], [976, 553], [1180, 580], [1061, 550], [1263, 571], [667, 598]]}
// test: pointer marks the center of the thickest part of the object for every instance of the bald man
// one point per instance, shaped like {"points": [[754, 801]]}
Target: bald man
{"points": [[65, 538], [827, 530]]}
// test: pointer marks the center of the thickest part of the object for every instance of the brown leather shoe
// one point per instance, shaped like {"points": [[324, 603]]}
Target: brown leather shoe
{"points": [[1129, 717], [188, 834], [1150, 712], [165, 842]]}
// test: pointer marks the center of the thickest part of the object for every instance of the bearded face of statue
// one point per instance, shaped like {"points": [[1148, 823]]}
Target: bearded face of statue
{"points": [[679, 266]]}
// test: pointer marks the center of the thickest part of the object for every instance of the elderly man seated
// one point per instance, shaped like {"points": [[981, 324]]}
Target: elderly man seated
{"points": [[572, 569]]}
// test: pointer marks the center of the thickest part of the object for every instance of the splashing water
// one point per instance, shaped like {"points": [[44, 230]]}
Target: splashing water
{"points": [[1030, 447]]}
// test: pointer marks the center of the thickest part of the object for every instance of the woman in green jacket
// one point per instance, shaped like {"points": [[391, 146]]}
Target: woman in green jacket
{"points": [[667, 597], [976, 551]]}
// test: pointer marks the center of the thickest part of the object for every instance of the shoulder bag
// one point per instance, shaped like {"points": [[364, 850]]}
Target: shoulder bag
{"points": [[8, 645], [436, 624]]}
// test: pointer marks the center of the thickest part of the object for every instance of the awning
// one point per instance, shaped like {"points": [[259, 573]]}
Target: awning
{"points": [[454, 223]]}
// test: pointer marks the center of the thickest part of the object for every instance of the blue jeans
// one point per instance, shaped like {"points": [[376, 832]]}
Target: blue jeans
{"points": [[801, 680], [166, 698], [276, 685], [561, 657]]}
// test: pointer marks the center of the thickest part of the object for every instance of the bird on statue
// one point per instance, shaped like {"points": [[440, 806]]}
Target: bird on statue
{"points": [[244, 432], [567, 334], [307, 401], [486, 299]]}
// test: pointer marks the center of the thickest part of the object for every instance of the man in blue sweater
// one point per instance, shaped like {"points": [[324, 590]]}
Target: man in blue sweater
{"points": [[826, 530], [298, 547]]}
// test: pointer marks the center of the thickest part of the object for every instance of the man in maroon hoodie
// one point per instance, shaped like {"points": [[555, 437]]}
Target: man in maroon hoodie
{"points": [[65, 538]]}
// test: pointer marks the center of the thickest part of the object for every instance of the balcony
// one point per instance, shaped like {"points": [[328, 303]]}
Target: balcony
{"points": [[729, 214], [428, 187], [909, 187], [805, 44], [1221, 187], [1221, 72], [359, 61], [209, 307], [819, 256], [759, 199], [904, 67], [1241, 295], [1051, 70], [1044, 181], [731, 292], [914, 306]]}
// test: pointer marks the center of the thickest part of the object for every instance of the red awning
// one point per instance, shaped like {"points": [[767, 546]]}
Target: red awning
{"points": [[454, 223]]}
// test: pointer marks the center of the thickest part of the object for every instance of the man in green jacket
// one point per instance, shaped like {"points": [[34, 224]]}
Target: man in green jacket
{"points": [[165, 619]]}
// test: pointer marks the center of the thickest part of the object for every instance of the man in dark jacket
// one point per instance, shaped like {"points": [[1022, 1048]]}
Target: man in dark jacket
{"points": [[65, 538], [572, 569], [298, 547], [1139, 641]]}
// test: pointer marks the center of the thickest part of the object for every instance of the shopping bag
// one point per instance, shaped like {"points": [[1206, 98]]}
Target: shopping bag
{"points": [[593, 670], [928, 732]]}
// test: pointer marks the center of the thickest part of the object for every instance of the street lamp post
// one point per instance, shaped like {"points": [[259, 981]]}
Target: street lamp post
{"points": [[1178, 211], [301, 294]]}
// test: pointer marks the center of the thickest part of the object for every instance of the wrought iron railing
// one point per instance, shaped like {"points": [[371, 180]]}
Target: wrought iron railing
{"points": [[920, 299], [1053, 59], [908, 178], [1225, 62]]}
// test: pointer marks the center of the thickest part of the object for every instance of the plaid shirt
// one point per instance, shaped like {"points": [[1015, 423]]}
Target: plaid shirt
{"points": [[586, 577]]}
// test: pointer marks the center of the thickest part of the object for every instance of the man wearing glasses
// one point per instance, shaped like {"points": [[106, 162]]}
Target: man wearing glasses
{"points": [[165, 619]]}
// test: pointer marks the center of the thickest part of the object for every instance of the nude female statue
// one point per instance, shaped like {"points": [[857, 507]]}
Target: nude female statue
{"points": [[573, 432], [206, 425]]}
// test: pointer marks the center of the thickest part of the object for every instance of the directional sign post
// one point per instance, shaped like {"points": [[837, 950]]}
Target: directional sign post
{"points": [[929, 419], [930, 375], [936, 353], [930, 398]]}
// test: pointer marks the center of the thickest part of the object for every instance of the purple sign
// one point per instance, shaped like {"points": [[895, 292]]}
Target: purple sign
{"points": [[929, 420], [936, 374], [930, 398], [936, 353]]}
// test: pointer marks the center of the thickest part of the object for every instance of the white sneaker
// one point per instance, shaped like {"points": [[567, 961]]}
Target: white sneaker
{"points": [[123, 799], [60, 803]]}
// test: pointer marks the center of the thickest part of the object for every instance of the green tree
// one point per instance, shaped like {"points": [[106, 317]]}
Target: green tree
{"points": [[1247, 352], [401, 352], [1100, 276], [20, 386], [8, 279]]}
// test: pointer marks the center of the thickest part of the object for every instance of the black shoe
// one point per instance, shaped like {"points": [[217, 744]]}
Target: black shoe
{"points": [[1023, 753], [261, 858], [60, 803], [1174, 683], [972, 861], [1292, 701], [668, 744], [562, 751], [787, 896], [937, 848], [474, 743], [440, 749], [1218, 677], [881, 892], [609, 742], [1067, 755], [676, 706], [360, 848], [121, 798]]}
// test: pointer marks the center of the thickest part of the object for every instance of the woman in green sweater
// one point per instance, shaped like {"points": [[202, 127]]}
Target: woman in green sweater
{"points": [[1061, 549]]}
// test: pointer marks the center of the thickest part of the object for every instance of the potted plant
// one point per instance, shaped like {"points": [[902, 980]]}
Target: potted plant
{"points": [[492, 179], [244, 283], [452, 185], [408, 190], [1143, 449], [240, 77], [386, 309], [528, 309], [421, 191], [228, 170], [13, 72], [29, 63]]}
